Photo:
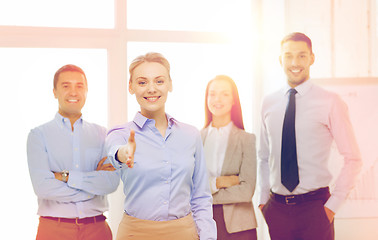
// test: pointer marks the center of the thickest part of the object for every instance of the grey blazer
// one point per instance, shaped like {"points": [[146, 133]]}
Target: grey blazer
{"points": [[240, 159]]}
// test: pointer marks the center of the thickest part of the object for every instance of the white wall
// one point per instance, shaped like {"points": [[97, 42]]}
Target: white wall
{"points": [[344, 35], [357, 228]]}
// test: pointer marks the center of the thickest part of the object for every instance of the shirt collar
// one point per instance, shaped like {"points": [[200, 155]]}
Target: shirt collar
{"points": [[141, 120], [223, 130], [63, 120], [302, 89]]}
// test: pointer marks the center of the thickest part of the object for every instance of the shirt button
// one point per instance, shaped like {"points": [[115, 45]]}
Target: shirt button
{"points": [[77, 165], [166, 181], [165, 202], [76, 149]]}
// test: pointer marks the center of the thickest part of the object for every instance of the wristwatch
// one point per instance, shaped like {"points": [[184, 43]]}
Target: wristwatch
{"points": [[65, 174]]}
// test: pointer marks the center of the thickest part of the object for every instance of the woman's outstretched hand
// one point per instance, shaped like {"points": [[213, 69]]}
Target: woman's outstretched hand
{"points": [[125, 153]]}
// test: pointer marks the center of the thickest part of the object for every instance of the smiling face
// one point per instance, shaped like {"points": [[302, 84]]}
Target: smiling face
{"points": [[71, 92], [220, 99], [296, 59], [150, 83]]}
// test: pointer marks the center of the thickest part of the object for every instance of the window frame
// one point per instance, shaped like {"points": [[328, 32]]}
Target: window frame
{"points": [[114, 40]]}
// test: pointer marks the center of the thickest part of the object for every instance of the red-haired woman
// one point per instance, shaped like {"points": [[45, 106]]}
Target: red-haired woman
{"points": [[230, 154]]}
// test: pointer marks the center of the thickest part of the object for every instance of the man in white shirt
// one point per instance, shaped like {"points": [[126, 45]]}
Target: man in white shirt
{"points": [[299, 124]]}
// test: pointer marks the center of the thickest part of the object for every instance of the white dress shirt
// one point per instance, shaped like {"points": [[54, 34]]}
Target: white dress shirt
{"points": [[321, 117], [215, 148]]}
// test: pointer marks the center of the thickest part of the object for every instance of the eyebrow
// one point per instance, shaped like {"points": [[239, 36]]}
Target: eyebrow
{"points": [[145, 78], [222, 91], [69, 83], [302, 52], [160, 77]]}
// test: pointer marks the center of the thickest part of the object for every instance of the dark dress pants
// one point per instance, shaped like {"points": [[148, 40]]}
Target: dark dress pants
{"points": [[303, 221]]}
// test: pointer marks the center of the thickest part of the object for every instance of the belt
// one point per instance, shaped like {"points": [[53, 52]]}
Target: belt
{"points": [[78, 221], [319, 194]]}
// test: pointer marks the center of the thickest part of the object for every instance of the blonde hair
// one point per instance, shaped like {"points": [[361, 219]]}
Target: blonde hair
{"points": [[149, 57]]}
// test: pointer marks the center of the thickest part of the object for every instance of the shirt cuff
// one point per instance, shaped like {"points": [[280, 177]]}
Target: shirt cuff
{"points": [[334, 203], [112, 154], [213, 185], [116, 157], [263, 197], [75, 179]]}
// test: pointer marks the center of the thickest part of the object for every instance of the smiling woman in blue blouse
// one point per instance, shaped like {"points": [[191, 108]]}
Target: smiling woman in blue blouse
{"points": [[231, 161], [162, 163]]}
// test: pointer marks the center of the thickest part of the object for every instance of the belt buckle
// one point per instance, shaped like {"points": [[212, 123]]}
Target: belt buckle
{"points": [[77, 223], [287, 200]]}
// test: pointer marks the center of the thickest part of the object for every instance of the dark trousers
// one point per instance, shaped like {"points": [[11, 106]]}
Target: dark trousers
{"points": [[303, 221], [222, 231]]}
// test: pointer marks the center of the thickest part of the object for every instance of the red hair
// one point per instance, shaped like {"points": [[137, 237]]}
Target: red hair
{"points": [[236, 112]]}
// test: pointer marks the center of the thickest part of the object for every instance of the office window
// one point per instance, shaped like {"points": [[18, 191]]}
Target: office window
{"points": [[218, 38], [194, 15], [53, 13]]}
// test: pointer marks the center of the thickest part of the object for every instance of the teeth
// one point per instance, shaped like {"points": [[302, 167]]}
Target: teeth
{"points": [[72, 100], [295, 70], [151, 98]]}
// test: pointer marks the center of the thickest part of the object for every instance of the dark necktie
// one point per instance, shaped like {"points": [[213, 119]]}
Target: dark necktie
{"points": [[289, 163]]}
